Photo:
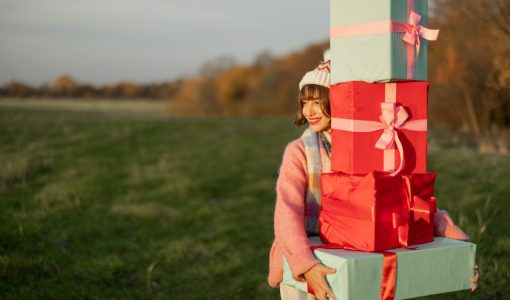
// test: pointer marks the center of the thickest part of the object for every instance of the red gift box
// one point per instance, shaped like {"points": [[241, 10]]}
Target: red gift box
{"points": [[375, 125], [377, 211]]}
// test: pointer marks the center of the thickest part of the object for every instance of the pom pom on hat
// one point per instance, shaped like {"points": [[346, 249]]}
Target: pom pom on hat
{"points": [[320, 75], [327, 56]]}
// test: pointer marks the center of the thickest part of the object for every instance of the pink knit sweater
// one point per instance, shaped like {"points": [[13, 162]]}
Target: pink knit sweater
{"points": [[290, 236]]}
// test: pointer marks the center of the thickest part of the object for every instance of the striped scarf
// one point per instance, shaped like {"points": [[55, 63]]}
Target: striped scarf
{"points": [[318, 159]]}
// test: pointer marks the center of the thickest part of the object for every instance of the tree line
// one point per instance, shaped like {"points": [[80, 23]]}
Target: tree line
{"points": [[65, 86]]}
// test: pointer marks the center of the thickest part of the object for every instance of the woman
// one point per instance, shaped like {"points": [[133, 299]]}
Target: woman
{"points": [[298, 192]]}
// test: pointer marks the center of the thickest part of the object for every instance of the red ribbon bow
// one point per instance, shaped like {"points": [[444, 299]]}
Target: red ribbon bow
{"points": [[417, 208]]}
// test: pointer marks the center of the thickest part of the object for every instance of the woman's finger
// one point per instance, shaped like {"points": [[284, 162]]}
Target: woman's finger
{"points": [[474, 280], [320, 295], [327, 270], [329, 292], [476, 275]]}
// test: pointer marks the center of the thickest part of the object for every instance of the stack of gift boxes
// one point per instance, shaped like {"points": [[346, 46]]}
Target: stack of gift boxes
{"points": [[379, 199]]}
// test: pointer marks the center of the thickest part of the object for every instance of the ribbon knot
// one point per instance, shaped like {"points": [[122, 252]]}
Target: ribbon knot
{"points": [[412, 36]]}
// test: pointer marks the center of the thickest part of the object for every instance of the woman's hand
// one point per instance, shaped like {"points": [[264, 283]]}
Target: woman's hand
{"points": [[316, 278]]}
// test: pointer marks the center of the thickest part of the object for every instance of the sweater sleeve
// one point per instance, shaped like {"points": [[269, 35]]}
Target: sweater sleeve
{"points": [[444, 226], [290, 209]]}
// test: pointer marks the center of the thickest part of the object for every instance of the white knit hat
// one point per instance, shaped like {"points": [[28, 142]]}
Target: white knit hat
{"points": [[319, 75]]}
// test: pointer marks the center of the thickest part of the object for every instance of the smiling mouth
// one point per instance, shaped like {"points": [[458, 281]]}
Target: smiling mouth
{"points": [[314, 121]]}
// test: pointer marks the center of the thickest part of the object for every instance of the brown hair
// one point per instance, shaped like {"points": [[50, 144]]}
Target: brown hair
{"points": [[312, 92]]}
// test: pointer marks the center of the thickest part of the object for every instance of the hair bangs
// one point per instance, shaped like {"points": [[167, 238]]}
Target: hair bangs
{"points": [[312, 92]]}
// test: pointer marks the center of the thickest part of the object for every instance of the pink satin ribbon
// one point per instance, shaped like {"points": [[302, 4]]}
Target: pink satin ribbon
{"points": [[412, 33]]}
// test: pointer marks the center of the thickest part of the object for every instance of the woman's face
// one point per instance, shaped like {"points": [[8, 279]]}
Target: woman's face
{"points": [[313, 113]]}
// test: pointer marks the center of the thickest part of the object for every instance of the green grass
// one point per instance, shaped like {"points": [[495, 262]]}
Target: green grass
{"points": [[97, 205]]}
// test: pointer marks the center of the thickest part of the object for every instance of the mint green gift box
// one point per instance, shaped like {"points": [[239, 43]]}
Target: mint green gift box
{"points": [[379, 57], [442, 266]]}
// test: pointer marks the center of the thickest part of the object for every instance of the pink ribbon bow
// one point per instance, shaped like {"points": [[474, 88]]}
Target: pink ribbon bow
{"points": [[413, 31], [392, 117]]}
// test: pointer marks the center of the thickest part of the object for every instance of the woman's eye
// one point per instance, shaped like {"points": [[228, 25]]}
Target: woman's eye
{"points": [[317, 102]]}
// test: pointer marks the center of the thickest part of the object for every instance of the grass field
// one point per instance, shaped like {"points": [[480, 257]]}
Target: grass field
{"points": [[108, 205]]}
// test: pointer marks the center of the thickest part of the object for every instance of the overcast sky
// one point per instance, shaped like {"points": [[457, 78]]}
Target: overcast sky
{"points": [[105, 41]]}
